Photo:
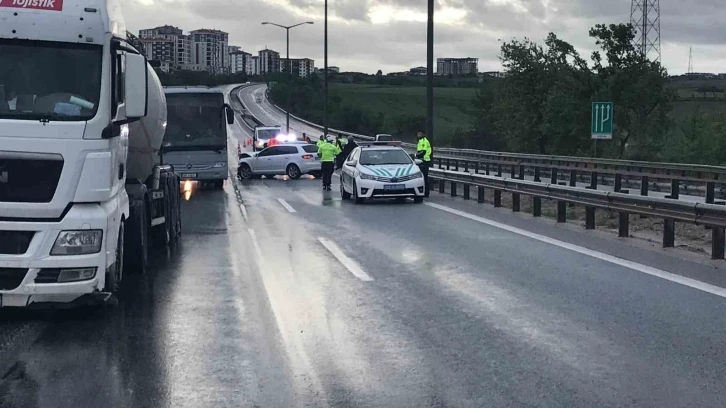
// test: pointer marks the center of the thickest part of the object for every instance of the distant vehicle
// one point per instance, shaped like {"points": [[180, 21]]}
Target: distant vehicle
{"points": [[383, 137], [292, 159], [262, 136], [381, 170], [258, 99], [195, 143]]}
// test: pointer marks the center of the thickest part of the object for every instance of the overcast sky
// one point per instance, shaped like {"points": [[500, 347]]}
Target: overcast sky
{"points": [[368, 35]]}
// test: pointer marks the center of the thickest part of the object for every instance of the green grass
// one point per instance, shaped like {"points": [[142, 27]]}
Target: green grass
{"points": [[451, 105]]}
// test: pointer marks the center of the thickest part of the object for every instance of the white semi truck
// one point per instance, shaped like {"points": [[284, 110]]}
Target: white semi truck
{"points": [[83, 195]]}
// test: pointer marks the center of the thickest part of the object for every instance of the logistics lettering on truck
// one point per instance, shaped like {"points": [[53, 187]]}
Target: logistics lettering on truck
{"points": [[195, 143], [82, 191]]}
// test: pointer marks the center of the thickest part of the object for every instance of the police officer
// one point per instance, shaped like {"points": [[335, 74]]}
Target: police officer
{"points": [[423, 152], [327, 150]]}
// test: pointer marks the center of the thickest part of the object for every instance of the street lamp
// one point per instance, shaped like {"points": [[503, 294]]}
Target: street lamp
{"points": [[287, 29]]}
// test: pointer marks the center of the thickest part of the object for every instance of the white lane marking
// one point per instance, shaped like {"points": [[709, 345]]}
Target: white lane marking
{"points": [[256, 245], [649, 270], [352, 265], [287, 206], [244, 211]]}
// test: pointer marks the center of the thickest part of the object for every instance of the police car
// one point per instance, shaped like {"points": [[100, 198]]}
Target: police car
{"points": [[381, 170]]}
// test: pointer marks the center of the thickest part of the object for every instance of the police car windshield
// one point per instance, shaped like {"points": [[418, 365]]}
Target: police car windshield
{"points": [[375, 157], [42, 80]]}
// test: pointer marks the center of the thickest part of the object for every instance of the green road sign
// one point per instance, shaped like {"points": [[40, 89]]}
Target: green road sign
{"points": [[271, 84], [602, 120]]}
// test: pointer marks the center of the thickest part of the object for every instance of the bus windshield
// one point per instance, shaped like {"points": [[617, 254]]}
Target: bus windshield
{"points": [[42, 80], [195, 121]]}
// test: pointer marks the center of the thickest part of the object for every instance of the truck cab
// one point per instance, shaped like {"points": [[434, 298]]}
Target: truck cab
{"points": [[263, 135], [73, 88]]}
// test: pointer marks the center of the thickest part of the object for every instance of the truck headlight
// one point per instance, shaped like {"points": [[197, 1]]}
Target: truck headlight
{"points": [[81, 242], [219, 164]]}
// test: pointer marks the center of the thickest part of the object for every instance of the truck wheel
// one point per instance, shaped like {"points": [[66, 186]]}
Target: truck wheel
{"points": [[137, 239], [115, 274], [218, 184]]}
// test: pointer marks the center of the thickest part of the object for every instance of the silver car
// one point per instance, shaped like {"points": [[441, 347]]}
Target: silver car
{"points": [[291, 159]]}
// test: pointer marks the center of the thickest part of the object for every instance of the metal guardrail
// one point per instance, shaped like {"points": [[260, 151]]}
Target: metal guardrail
{"points": [[671, 211], [702, 180]]}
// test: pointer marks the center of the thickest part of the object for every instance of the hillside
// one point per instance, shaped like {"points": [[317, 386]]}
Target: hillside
{"points": [[451, 105]]}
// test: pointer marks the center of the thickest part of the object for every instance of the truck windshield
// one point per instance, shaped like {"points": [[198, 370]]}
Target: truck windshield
{"points": [[41, 80], [267, 134], [195, 121]]}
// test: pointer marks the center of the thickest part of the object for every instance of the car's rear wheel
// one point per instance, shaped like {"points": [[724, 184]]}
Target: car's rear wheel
{"points": [[244, 172], [343, 194], [358, 200], [293, 171]]}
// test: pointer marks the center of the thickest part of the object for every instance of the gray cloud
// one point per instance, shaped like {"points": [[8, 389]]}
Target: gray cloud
{"points": [[358, 44]]}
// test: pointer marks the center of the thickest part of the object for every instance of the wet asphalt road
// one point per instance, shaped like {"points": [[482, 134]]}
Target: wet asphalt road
{"points": [[379, 305]]}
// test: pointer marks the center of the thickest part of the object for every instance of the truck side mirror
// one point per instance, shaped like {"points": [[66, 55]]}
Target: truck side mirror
{"points": [[136, 82], [230, 114]]}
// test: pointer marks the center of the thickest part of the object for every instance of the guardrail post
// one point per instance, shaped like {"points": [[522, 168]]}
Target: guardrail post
{"points": [[554, 176], [448, 164], [623, 225], [521, 172], [717, 242], [513, 171], [497, 198], [561, 211], [487, 168], [590, 218], [480, 194], [710, 192], [537, 206], [466, 191], [476, 167], [618, 183], [499, 170], [438, 161], [442, 186], [669, 233], [516, 202], [675, 189], [537, 177], [573, 178], [456, 163], [644, 186], [593, 180], [453, 189], [466, 166]]}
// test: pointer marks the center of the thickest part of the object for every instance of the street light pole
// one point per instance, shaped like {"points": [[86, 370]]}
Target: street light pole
{"points": [[325, 76], [289, 84], [289, 64], [430, 73]]}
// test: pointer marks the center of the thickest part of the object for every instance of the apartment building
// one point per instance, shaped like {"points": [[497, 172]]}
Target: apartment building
{"points": [[301, 67], [210, 50], [457, 66], [269, 61]]}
